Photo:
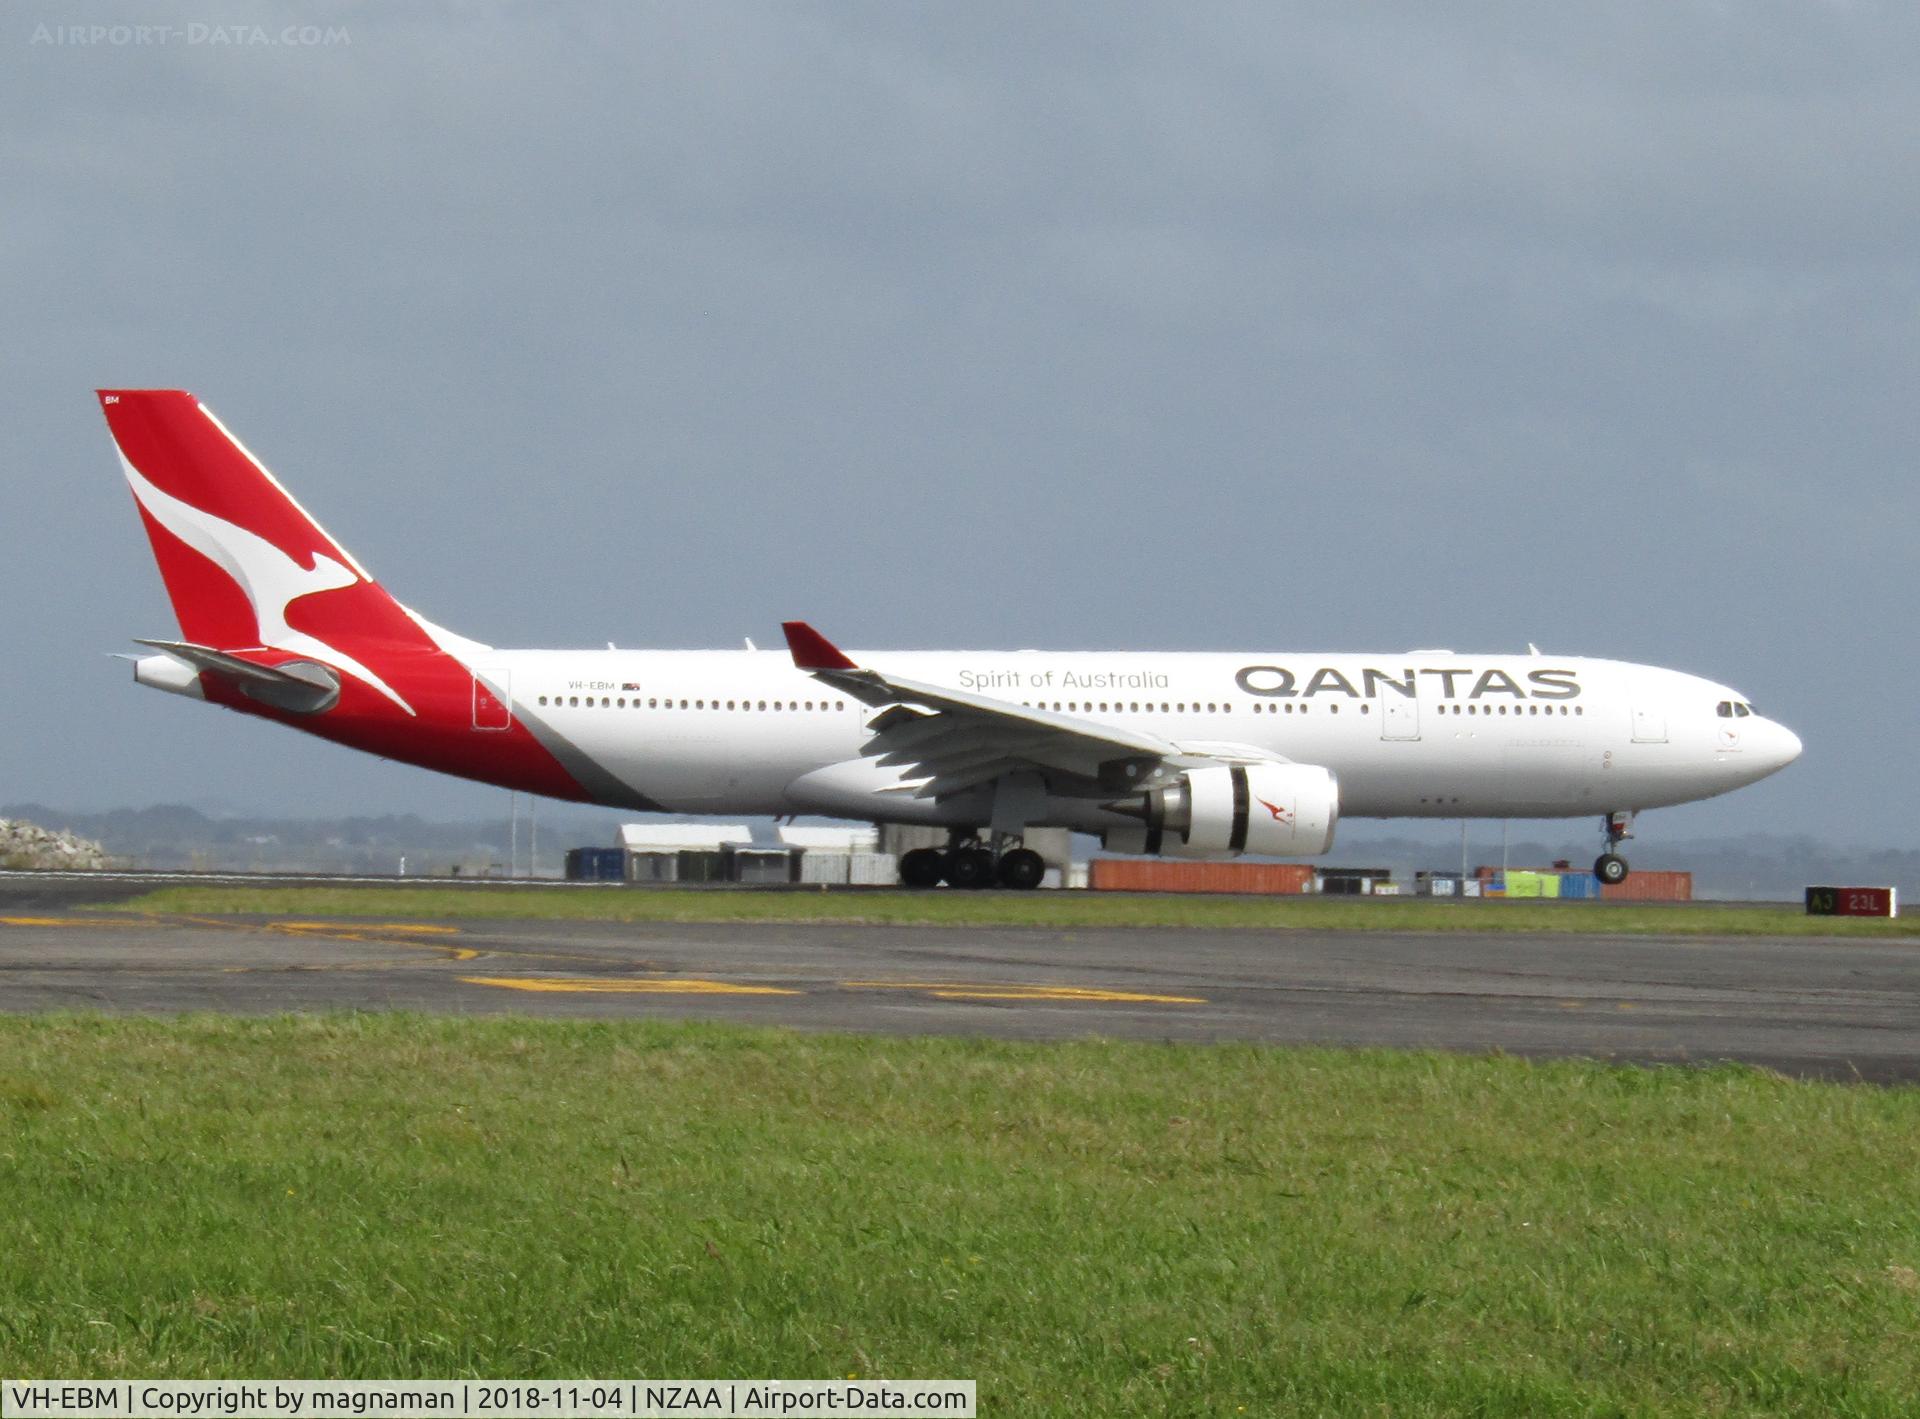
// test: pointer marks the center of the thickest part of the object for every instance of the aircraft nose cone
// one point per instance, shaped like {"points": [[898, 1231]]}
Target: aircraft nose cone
{"points": [[1782, 746], [1790, 745]]}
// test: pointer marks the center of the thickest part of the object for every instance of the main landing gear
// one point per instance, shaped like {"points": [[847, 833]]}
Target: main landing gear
{"points": [[1610, 867], [967, 862]]}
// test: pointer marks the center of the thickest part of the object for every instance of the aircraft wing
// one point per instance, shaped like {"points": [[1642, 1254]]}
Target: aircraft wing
{"points": [[956, 740]]}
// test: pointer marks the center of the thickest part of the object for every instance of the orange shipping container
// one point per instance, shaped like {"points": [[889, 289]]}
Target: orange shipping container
{"points": [[1149, 874], [1650, 887]]}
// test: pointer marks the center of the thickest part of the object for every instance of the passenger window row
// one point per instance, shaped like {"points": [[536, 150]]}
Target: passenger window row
{"points": [[655, 702], [1128, 707], [1727, 708], [1288, 707]]}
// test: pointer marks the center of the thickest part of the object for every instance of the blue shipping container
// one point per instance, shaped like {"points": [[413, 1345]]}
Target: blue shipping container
{"points": [[596, 864], [1583, 885]]}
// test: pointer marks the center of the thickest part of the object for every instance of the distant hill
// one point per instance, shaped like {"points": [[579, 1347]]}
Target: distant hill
{"points": [[173, 836]]}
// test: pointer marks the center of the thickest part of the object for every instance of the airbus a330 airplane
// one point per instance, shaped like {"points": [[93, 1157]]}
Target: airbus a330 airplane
{"points": [[1188, 755]]}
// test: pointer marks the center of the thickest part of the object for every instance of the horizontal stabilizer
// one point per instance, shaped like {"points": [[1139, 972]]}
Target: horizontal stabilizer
{"points": [[300, 686]]}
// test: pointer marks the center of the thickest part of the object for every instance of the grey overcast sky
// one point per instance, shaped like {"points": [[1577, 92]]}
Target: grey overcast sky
{"points": [[1280, 327]]}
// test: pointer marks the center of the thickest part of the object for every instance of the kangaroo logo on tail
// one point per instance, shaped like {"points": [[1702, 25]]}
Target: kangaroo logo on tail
{"points": [[269, 578]]}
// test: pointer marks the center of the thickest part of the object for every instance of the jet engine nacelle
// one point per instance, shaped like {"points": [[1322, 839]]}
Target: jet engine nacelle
{"points": [[1272, 810]]}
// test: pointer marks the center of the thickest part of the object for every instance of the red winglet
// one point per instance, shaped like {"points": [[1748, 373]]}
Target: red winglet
{"points": [[813, 651]]}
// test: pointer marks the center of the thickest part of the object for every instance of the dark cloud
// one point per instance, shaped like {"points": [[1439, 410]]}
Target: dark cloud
{"points": [[1293, 327]]}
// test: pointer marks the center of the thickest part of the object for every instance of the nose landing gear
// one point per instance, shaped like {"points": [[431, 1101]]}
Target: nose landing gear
{"points": [[1610, 867]]}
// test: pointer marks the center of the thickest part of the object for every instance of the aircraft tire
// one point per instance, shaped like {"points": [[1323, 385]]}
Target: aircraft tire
{"points": [[1610, 868], [969, 867], [1021, 869], [922, 867]]}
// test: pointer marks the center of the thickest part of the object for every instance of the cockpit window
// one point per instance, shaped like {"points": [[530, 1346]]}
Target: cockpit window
{"points": [[1742, 710], [1725, 709]]}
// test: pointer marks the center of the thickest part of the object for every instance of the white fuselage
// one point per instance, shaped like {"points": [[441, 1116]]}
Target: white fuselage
{"points": [[1407, 735]]}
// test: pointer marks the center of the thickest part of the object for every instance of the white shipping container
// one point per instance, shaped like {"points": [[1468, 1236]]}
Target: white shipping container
{"points": [[873, 869], [828, 868], [842, 840], [683, 837], [653, 867]]}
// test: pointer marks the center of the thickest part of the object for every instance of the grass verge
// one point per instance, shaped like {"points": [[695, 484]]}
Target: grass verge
{"points": [[1086, 1229], [1039, 909]]}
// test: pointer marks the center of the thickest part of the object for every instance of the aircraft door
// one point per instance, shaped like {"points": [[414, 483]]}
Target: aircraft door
{"points": [[1649, 726], [1399, 718], [493, 699]]}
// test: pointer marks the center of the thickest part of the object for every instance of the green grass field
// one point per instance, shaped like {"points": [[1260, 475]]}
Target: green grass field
{"points": [[1041, 909], [1085, 1229]]}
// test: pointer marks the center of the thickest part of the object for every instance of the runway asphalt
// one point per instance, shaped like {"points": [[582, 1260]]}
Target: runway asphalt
{"points": [[1819, 1008]]}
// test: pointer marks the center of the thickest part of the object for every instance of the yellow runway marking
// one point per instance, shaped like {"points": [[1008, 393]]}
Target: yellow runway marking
{"points": [[1071, 995], [966, 990], [76, 921], [624, 985], [389, 931], [381, 933], [408, 928]]}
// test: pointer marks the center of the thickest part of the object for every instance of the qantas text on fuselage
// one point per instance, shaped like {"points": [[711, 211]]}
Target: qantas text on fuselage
{"points": [[1283, 682]]}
